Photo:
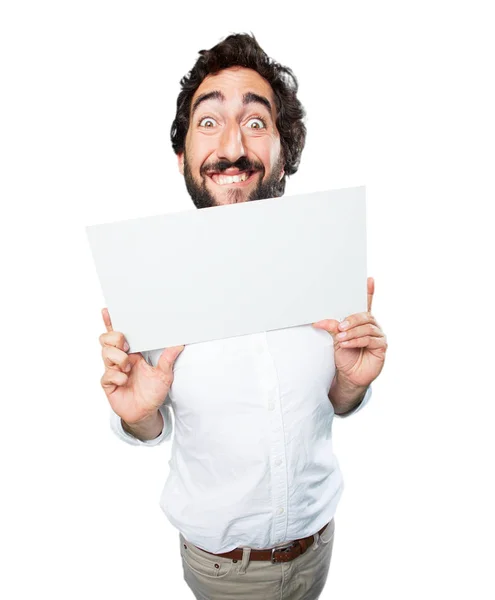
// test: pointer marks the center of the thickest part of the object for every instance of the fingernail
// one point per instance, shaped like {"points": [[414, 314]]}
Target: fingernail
{"points": [[344, 325], [127, 367], [126, 346]]}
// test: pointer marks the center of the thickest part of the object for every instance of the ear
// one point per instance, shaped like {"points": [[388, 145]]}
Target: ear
{"points": [[180, 159], [281, 175]]}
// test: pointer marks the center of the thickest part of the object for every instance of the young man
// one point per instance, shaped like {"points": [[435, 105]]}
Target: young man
{"points": [[253, 484]]}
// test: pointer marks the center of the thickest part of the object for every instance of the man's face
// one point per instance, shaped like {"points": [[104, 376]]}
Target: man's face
{"points": [[232, 150]]}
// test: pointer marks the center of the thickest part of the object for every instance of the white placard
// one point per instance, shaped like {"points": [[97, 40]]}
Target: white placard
{"points": [[224, 271]]}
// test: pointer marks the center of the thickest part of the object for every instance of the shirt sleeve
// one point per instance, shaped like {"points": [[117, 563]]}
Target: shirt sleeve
{"points": [[357, 408], [164, 409]]}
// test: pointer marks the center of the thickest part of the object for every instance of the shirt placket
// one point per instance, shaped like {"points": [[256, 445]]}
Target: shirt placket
{"points": [[277, 452]]}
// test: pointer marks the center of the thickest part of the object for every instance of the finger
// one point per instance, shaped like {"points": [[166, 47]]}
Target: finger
{"points": [[371, 291], [113, 357], [367, 341], [106, 319], [114, 338], [330, 325], [112, 379], [357, 319], [168, 357], [360, 331]]}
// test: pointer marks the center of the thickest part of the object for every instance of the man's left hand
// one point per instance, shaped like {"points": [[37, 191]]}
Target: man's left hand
{"points": [[360, 353]]}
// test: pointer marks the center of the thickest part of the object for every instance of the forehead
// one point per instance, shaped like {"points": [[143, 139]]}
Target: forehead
{"points": [[234, 82]]}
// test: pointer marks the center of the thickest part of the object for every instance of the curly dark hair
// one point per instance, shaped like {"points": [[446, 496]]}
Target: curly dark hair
{"points": [[243, 50]]}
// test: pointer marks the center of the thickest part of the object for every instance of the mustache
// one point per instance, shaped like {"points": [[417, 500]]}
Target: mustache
{"points": [[243, 164]]}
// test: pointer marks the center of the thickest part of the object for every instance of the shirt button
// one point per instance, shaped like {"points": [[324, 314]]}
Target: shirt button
{"points": [[280, 511], [271, 406], [278, 462], [259, 348]]}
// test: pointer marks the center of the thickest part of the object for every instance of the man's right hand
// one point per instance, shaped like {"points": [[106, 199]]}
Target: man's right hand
{"points": [[134, 389]]}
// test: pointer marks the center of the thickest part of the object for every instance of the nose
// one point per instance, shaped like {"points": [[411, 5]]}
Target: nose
{"points": [[231, 144]]}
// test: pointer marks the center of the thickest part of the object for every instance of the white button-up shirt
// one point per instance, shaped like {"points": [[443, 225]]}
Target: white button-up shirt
{"points": [[252, 461]]}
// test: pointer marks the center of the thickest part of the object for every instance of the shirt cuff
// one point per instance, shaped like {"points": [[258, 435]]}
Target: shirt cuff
{"points": [[357, 408], [116, 426]]}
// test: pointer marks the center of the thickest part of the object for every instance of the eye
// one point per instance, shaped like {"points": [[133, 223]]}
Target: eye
{"points": [[207, 122], [258, 123]]}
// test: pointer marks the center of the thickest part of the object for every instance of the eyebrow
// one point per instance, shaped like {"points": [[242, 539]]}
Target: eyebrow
{"points": [[248, 98]]}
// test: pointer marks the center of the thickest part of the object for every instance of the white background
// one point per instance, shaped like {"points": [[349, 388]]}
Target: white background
{"points": [[398, 97]]}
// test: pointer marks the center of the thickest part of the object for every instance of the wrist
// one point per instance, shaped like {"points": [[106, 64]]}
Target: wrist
{"points": [[143, 420], [344, 395], [147, 428], [346, 386]]}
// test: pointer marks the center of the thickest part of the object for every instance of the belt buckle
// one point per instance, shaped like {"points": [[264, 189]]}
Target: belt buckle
{"points": [[283, 549]]}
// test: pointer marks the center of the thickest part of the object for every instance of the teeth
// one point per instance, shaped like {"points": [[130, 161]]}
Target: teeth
{"points": [[226, 179]]}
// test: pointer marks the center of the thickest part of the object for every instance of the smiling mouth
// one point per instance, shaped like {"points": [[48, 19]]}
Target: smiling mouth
{"points": [[237, 180]]}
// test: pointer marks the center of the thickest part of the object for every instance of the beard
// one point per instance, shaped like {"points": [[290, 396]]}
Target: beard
{"points": [[272, 187]]}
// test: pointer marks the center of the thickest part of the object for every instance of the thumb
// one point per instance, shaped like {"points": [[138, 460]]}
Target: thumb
{"points": [[330, 325], [168, 357]]}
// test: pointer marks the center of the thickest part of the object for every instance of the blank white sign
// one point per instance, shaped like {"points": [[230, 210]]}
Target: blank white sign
{"points": [[224, 271]]}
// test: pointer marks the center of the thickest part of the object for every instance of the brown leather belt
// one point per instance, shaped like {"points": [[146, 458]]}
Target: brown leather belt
{"points": [[275, 555]]}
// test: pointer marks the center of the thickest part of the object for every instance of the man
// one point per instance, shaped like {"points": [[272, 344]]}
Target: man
{"points": [[253, 483]]}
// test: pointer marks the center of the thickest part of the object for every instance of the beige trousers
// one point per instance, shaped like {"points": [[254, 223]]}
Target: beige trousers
{"points": [[217, 578]]}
